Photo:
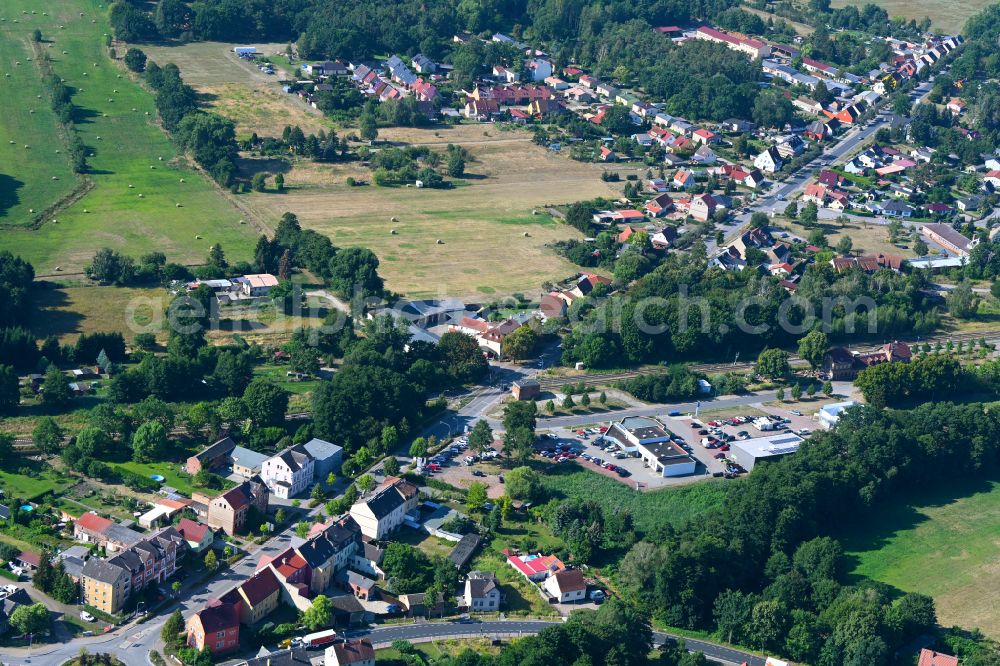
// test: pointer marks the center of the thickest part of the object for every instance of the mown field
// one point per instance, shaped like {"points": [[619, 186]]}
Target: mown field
{"points": [[132, 156], [238, 90], [673, 506], [947, 548], [491, 241], [68, 312], [31, 150], [947, 15]]}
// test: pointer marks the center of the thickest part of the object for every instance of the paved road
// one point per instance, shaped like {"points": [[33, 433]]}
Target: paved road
{"points": [[426, 630]]}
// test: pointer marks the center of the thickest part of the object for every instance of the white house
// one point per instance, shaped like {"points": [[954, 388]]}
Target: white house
{"points": [[386, 509], [768, 161], [349, 653], [288, 473], [540, 69], [482, 592], [566, 586], [259, 284]]}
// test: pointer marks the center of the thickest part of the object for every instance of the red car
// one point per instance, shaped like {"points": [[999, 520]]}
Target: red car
{"points": [[603, 429], [724, 447], [714, 424]]}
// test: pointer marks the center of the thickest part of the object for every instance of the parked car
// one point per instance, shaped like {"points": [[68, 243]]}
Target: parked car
{"points": [[795, 412], [478, 473], [719, 456], [621, 471], [87, 617]]}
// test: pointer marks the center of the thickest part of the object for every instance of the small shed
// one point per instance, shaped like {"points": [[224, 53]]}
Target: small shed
{"points": [[526, 389]]}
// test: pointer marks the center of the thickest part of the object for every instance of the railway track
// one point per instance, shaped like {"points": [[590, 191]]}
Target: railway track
{"points": [[596, 379]]}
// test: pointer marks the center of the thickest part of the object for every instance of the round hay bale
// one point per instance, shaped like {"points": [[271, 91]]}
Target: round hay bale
{"points": [[131, 186], [55, 177], [85, 210], [59, 268], [197, 237], [58, 151], [393, 219], [182, 180], [12, 141], [151, 166], [98, 138], [26, 146], [31, 111], [177, 205], [160, 158], [440, 242], [31, 210], [527, 235], [393, 232], [141, 196]]}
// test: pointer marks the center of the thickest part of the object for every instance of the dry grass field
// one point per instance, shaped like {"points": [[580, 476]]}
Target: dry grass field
{"points": [[239, 91], [870, 238], [69, 311], [492, 243], [947, 15]]}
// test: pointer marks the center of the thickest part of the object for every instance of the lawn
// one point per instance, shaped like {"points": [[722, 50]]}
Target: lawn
{"points": [[491, 243], [437, 649], [42, 479], [947, 15], [132, 156], [169, 470], [649, 509], [431, 545], [947, 547]]}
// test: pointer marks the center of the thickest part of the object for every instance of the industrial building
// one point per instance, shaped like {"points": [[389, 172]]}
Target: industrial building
{"points": [[648, 439]]}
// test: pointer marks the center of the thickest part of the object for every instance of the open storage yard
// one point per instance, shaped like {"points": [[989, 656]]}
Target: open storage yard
{"points": [[482, 222], [131, 155]]}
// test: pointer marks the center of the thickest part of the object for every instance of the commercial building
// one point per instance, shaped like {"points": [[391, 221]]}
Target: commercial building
{"points": [[648, 438], [829, 415], [946, 236], [748, 452]]}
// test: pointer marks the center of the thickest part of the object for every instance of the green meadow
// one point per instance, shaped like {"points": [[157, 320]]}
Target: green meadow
{"points": [[144, 195]]}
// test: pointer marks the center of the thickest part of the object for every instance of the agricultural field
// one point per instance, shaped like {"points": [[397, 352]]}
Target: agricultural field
{"points": [[492, 243], [67, 312], [947, 547], [946, 15], [179, 212], [239, 91]]}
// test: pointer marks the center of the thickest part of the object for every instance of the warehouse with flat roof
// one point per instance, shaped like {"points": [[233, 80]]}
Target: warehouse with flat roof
{"points": [[748, 452]]}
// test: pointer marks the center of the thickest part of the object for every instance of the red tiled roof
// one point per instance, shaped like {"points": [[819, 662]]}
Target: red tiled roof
{"points": [[34, 559], [931, 658], [92, 522], [260, 586], [218, 616], [191, 530], [236, 498]]}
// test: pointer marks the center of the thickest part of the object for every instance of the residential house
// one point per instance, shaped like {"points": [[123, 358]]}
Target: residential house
{"points": [[107, 584], [230, 510], [215, 628], [769, 161], [211, 457], [540, 69], [246, 462], [329, 551], [993, 178], [704, 136], [367, 559], [258, 285], [386, 509], [868, 263], [198, 536], [702, 207], [815, 193], [704, 155], [107, 534], [956, 106], [289, 473], [808, 105], [9, 601], [683, 180], [659, 205], [360, 586], [932, 658], [663, 238], [818, 130], [829, 178], [897, 209], [483, 110], [288, 657], [327, 457], [657, 185], [482, 592], [489, 335], [608, 155], [643, 139], [566, 587], [535, 567], [350, 653], [422, 64], [790, 146], [256, 597]]}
